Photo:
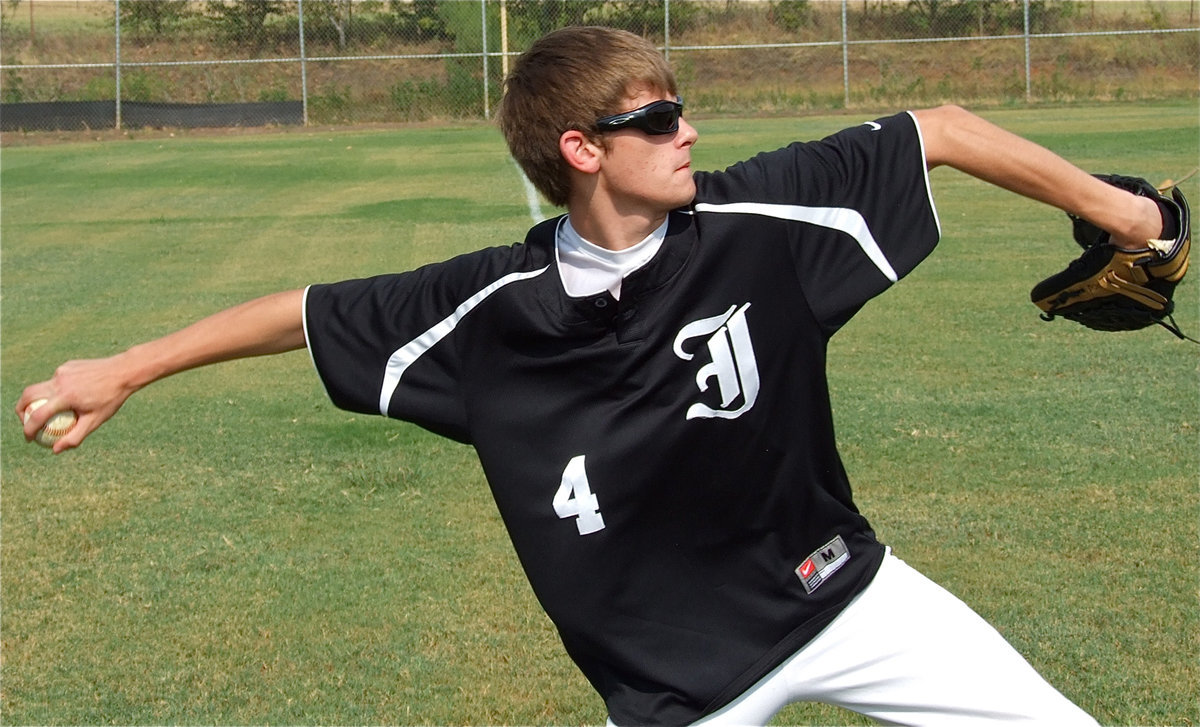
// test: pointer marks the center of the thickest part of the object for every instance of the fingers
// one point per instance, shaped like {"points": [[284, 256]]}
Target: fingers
{"points": [[90, 388], [84, 426], [36, 407], [34, 419]]}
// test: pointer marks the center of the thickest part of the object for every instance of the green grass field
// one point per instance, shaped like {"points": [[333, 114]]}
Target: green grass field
{"points": [[231, 549]]}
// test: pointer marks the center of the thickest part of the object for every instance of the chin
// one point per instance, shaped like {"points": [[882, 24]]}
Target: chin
{"points": [[686, 199]]}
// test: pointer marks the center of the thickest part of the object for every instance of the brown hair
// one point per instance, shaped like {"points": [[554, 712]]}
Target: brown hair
{"points": [[567, 80]]}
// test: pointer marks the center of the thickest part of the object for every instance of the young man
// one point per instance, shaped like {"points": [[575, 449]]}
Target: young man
{"points": [[643, 380]]}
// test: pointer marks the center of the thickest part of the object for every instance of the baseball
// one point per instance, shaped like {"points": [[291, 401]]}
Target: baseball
{"points": [[54, 429]]}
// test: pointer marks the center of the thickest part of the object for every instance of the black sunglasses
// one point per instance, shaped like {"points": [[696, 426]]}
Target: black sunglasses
{"points": [[660, 117]]}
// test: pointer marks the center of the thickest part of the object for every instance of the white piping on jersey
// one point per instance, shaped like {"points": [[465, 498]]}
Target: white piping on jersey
{"points": [[307, 338], [404, 356], [925, 167], [837, 218]]}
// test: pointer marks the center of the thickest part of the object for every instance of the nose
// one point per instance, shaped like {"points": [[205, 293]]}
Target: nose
{"points": [[687, 134]]}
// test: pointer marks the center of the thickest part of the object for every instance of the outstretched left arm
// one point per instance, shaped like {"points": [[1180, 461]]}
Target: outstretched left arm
{"points": [[957, 138]]}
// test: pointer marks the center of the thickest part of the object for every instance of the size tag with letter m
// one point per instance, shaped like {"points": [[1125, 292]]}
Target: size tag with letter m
{"points": [[823, 563]]}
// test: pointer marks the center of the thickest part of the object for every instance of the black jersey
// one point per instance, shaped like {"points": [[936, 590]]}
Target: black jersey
{"points": [[664, 464]]}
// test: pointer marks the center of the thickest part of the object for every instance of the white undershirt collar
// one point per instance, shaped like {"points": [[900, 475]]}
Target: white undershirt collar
{"points": [[588, 269]]}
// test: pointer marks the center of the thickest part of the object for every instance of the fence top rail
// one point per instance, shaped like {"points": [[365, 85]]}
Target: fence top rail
{"points": [[739, 46], [1018, 36], [241, 61]]}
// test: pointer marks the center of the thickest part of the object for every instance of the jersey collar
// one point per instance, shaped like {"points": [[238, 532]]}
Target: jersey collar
{"points": [[640, 285]]}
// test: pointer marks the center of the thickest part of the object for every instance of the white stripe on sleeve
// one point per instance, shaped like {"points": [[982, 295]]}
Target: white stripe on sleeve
{"points": [[407, 354], [837, 218]]}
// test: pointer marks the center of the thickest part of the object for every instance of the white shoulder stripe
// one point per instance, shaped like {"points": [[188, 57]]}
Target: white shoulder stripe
{"points": [[837, 218], [406, 355]]}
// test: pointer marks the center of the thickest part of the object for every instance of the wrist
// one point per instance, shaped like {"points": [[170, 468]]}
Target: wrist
{"points": [[137, 366], [1143, 221]]}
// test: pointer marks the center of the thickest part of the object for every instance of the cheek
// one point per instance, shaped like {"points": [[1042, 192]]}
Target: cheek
{"points": [[659, 167]]}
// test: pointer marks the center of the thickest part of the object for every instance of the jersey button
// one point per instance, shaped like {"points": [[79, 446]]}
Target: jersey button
{"points": [[600, 302]]}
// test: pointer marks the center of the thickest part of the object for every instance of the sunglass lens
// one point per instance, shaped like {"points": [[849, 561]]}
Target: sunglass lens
{"points": [[663, 120]]}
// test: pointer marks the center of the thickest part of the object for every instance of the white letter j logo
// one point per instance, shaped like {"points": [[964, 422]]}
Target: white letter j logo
{"points": [[733, 364]]}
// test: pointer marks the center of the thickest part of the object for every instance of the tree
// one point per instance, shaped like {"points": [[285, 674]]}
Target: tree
{"points": [[419, 20], [243, 22], [338, 13], [791, 15], [538, 17], [153, 17]]}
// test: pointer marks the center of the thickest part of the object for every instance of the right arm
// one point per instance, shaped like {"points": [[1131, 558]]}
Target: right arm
{"points": [[96, 388], [957, 138]]}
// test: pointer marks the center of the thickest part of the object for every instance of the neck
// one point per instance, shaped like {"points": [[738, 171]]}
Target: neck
{"points": [[614, 231]]}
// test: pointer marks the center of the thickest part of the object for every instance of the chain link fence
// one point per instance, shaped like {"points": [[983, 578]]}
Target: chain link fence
{"points": [[73, 64]]}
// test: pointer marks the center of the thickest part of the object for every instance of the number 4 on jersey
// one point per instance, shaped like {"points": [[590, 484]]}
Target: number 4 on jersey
{"points": [[575, 499]]}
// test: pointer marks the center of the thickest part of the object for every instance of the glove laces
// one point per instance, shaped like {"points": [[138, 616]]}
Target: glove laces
{"points": [[1173, 327]]}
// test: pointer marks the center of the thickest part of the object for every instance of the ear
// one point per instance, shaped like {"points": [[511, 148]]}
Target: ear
{"points": [[580, 152]]}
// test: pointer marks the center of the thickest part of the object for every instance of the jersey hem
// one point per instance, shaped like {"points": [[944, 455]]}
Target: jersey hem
{"points": [[794, 642]]}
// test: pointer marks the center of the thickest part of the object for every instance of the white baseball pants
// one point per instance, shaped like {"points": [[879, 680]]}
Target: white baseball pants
{"points": [[908, 652]]}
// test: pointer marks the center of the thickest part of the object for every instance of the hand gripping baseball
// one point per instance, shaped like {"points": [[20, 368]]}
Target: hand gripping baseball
{"points": [[93, 389]]}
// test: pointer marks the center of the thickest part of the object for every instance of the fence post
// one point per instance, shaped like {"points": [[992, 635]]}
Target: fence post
{"points": [[303, 65], [845, 56], [487, 104], [504, 39], [667, 30], [117, 63], [1028, 64]]}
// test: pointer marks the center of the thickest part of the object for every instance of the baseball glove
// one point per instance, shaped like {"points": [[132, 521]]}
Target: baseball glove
{"points": [[1109, 288]]}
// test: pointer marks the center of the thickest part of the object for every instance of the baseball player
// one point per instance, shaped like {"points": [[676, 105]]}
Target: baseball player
{"points": [[643, 379]]}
